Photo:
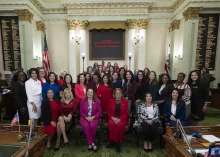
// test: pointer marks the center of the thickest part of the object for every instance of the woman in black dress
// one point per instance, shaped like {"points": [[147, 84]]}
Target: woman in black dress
{"points": [[20, 97], [199, 98]]}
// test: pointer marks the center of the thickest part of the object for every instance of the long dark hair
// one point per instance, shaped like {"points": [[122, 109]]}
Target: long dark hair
{"points": [[189, 77], [64, 80], [132, 76], [89, 77], [119, 75], [155, 79], [81, 74], [137, 79], [46, 100], [179, 98], [161, 79], [48, 77], [108, 79]]}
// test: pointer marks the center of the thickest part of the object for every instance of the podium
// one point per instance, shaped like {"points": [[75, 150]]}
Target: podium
{"points": [[175, 147]]}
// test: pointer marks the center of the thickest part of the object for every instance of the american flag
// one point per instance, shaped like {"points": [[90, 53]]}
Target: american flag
{"points": [[46, 61], [15, 119]]}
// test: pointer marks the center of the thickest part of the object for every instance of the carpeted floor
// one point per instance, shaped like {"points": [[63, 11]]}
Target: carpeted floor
{"points": [[129, 149]]}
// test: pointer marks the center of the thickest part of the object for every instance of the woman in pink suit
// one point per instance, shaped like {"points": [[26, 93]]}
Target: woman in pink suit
{"points": [[80, 87], [104, 93], [90, 112], [117, 119]]}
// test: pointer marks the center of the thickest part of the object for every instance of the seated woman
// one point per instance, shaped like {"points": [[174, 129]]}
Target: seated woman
{"points": [[68, 107], [118, 112], [90, 111], [50, 111], [175, 109], [148, 118]]}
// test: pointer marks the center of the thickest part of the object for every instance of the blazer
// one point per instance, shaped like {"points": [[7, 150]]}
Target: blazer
{"points": [[54, 87], [142, 114], [132, 87], [79, 92], [180, 112], [165, 92], [46, 112], [124, 111], [142, 88], [96, 109]]}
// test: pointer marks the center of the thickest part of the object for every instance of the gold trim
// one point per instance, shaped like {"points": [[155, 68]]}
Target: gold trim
{"points": [[40, 26], [24, 15], [107, 25], [192, 13], [133, 23], [73, 24], [175, 24]]}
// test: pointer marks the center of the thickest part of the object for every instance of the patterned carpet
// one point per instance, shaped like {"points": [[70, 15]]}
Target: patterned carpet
{"points": [[129, 149]]}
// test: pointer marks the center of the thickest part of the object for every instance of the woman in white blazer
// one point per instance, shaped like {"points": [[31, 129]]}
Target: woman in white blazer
{"points": [[34, 94]]}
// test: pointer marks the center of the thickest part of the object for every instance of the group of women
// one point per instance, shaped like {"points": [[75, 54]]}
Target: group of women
{"points": [[111, 90]]}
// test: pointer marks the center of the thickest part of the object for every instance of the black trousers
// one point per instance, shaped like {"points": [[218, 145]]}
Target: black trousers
{"points": [[150, 131], [23, 117]]}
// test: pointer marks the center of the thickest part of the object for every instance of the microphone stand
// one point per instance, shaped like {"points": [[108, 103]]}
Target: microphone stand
{"points": [[29, 138], [180, 127]]}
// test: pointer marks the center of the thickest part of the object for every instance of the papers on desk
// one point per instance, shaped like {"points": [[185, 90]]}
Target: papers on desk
{"points": [[210, 138], [201, 151]]}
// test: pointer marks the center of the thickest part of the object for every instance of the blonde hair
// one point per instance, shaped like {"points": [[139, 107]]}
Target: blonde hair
{"points": [[64, 92]]}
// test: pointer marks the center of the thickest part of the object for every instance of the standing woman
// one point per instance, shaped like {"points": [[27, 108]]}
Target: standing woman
{"points": [[141, 87], [116, 67], [67, 83], [90, 112], [95, 67], [184, 92], [80, 87], [111, 71], [129, 89], [199, 98], [62, 74], [20, 97], [121, 75], [165, 90], [175, 109], [89, 70], [148, 118], [108, 65], [42, 76], [115, 83], [152, 85], [104, 93], [117, 119], [50, 112], [51, 83], [100, 70], [34, 95], [88, 78], [146, 73]]}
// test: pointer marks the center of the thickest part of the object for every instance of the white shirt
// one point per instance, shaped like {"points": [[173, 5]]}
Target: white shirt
{"points": [[150, 112], [173, 109]]}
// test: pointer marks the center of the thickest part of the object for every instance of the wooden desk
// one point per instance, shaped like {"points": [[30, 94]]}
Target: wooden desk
{"points": [[215, 98], [9, 137], [177, 147]]}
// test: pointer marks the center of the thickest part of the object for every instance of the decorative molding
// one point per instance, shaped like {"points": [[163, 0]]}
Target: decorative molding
{"points": [[24, 15], [108, 5], [133, 23], [106, 12], [40, 26], [175, 24], [107, 25], [73, 24], [192, 13]]}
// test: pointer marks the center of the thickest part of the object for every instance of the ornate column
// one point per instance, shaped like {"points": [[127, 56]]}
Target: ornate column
{"points": [[131, 45], [41, 28], [83, 24], [141, 54], [71, 24], [26, 40], [191, 16], [174, 54]]}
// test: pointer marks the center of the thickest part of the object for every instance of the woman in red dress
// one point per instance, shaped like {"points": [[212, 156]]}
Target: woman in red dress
{"points": [[50, 110], [104, 93], [117, 119]]}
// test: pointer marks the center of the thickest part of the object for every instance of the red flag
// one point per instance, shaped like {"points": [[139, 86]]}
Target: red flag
{"points": [[46, 61]]}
